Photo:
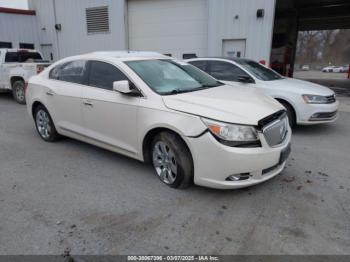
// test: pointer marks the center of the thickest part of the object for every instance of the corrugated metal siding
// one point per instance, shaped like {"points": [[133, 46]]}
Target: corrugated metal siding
{"points": [[74, 39], [169, 26], [257, 32], [17, 29]]}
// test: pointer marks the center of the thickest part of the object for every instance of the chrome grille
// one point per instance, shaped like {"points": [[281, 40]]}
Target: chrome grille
{"points": [[331, 99], [276, 131]]}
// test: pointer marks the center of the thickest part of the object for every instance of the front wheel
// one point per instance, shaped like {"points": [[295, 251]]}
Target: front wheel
{"points": [[44, 124], [172, 160], [18, 91]]}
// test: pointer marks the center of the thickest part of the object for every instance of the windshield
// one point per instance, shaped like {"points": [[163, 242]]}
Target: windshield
{"points": [[170, 77], [259, 71]]}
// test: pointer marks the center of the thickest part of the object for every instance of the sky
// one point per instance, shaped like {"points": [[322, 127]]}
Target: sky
{"points": [[20, 4]]}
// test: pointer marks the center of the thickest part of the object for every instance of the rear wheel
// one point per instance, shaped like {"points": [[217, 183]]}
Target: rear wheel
{"points": [[290, 113], [44, 124], [18, 91], [172, 160]]}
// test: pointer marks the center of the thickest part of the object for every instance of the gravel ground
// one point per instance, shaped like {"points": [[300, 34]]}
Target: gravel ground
{"points": [[79, 198]]}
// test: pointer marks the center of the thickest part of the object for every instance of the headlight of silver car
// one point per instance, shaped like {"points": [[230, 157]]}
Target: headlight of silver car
{"points": [[232, 134], [315, 99]]}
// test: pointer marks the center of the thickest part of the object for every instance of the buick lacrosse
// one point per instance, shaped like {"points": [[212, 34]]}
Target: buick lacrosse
{"points": [[191, 127]]}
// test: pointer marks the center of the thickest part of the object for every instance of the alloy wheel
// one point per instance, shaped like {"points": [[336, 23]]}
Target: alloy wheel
{"points": [[43, 124], [164, 162]]}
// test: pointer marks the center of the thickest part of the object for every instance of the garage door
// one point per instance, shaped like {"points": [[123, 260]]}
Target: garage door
{"points": [[169, 27]]}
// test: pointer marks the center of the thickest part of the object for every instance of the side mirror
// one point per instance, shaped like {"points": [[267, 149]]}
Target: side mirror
{"points": [[246, 79], [125, 88]]}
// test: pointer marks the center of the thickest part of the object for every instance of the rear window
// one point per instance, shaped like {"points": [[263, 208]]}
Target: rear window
{"points": [[22, 57]]}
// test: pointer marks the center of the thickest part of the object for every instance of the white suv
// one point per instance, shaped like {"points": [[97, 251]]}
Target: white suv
{"points": [[156, 109], [306, 103]]}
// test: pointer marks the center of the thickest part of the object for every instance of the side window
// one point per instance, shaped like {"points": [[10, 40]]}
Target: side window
{"points": [[73, 72], [103, 75], [201, 64], [11, 57], [225, 71]]}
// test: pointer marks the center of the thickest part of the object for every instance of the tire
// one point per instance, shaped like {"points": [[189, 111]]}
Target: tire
{"points": [[44, 124], [172, 160], [290, 113], [18, 92]]}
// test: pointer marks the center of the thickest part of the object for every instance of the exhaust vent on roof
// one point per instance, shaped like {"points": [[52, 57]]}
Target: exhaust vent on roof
{"points": [[97, 20]]}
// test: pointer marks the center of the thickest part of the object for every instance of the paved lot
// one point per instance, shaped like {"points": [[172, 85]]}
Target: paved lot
{"points": [[313, 74], [91, 201]]}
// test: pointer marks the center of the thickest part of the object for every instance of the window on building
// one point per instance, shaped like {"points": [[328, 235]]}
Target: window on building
{"points": [[103, 75], [97, 20], [225, 71], [73, 72], [189, 56], [26, 46], [5, 45]]}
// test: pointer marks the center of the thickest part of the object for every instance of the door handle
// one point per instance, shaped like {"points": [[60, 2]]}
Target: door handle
{"points": [[88, 103], [49, 93]]}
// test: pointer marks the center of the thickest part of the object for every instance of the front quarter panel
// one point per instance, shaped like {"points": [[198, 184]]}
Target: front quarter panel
{"points": [[151, 117]]}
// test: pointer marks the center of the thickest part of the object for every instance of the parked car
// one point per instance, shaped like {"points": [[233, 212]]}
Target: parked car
{"points": [[345, 69], [306, 103], [305, 68], [332, 69], [156, 109], [16, 67]]}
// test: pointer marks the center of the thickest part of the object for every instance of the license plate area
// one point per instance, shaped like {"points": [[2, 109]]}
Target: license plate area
{"points": [[285, 154]]}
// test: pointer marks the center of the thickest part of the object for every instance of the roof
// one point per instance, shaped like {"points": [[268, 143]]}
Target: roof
{"points": [[235, 59], [128, 54], [16, 11]]}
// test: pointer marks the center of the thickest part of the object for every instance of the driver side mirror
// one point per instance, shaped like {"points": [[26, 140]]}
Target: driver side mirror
{"points": [[245, 79], [125, 88]]}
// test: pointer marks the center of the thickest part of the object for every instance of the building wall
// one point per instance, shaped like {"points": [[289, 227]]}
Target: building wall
{"points": [[18, 28], [223, 25], [225, 20], [73, 38]]}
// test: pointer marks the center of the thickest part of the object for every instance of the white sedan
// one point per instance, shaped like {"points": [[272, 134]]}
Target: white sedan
{"points": [[156, 109], [332, 69], [306, 103]]}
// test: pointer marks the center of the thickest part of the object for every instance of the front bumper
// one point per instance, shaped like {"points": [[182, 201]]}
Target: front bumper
{"points": [[311, 114], [215, 162]]}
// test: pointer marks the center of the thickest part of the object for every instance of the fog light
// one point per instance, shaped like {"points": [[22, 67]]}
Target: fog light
{"points": [[238, 177]]}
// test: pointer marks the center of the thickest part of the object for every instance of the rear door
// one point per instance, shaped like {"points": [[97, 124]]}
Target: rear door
{"points": [[64, 95], [110, 117]]}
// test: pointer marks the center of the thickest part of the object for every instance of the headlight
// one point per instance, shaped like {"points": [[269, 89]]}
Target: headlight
{"points": [[315, 99], [232, 134]]}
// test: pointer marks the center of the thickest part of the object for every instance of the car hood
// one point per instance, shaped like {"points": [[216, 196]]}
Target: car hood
{"points": [[299, 86], [225, 103]]}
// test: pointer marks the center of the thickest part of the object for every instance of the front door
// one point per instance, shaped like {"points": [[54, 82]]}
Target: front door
{"points": [[110, 117], [233, 48]]}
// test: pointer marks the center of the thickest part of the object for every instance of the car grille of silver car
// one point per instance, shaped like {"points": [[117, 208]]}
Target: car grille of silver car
{"points": [[276, 131]]}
